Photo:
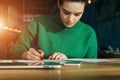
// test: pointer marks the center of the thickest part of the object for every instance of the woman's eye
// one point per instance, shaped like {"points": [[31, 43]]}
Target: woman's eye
{"points": [[66, 12], [77, 14]]}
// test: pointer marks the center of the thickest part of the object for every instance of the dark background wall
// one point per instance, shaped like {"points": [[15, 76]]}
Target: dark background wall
{"points": [[104, 17]]}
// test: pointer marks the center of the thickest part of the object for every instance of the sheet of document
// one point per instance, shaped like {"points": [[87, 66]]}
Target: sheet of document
{"points": [[26, 61], [90, 60], [58, 61], [46, 60], [36, 67]]}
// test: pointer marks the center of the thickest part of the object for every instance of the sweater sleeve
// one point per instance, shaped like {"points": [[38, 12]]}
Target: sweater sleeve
{"points": [[92, 49], [24, 41]]}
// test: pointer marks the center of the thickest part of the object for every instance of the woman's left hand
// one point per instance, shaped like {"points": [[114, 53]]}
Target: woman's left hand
{"points": [[57, 56]]}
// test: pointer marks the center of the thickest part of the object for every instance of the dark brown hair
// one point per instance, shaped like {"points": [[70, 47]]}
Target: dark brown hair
{"points": [[61, 1]]}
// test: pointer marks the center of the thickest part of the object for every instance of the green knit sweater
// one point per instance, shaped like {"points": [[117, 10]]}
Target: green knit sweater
{"points": [[50, 35]]}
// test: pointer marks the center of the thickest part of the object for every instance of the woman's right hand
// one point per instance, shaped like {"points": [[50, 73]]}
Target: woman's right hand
{"points": [[32, 54]]}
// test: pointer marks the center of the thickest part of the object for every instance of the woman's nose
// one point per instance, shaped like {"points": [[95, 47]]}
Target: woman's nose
{"points": [[71, 18]]}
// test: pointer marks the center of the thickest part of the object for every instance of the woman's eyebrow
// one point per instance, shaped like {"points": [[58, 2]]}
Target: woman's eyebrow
{"points": [[71, 12]]}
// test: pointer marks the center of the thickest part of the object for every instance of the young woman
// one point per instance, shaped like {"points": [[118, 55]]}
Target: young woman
{"points": [[57, 37]]}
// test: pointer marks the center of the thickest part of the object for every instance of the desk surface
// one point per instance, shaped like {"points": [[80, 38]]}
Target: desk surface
{"points": [[86, 71]]}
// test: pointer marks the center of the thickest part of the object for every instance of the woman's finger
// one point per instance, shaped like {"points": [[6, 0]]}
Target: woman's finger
{"points": [[32, 56], [32, 50], [57, 56], [53, 57]]}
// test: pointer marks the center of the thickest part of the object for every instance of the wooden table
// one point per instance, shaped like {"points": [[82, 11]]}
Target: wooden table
{"points": [[86, 71]]}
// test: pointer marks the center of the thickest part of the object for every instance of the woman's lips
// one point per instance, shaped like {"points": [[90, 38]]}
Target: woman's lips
{"points": [[68, 23]]}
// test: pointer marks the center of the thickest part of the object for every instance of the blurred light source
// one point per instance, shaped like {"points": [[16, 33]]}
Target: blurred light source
{"points": [[1, 24], [11, 29], [5, 27], [89, 1]]}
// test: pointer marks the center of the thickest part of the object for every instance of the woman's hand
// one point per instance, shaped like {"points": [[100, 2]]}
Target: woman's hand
{"points": [[32, 54], [57, 56]]}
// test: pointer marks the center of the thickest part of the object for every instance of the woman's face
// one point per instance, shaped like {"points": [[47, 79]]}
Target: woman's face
{"points": [[71, 12]]}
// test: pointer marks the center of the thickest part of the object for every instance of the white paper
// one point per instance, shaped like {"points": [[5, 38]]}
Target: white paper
{"points": [[25, 61], [23, 66], [58, 61], [89, 60]]}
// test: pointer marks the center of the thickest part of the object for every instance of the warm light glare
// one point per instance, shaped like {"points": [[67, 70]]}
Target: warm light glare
{"points": [[1, 24], [11, 29], [19, 31], [5, 27], [89, 1], [2, 27]]}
